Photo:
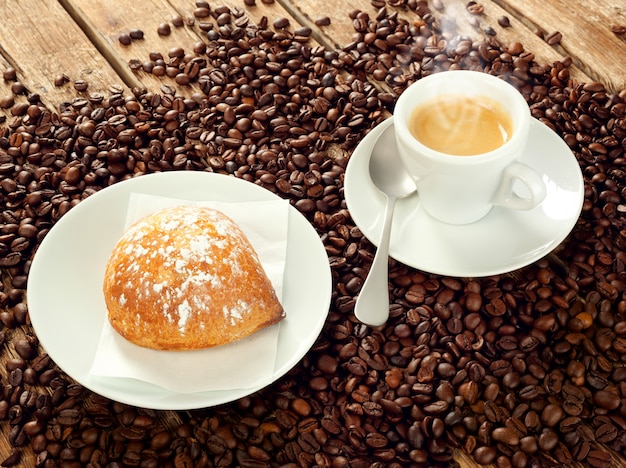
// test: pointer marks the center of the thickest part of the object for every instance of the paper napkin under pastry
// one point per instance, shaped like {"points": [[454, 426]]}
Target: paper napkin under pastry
{"points": [[245, 363]]}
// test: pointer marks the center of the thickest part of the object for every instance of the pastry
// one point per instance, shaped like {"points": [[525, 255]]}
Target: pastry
{"points": [[186, 278]]}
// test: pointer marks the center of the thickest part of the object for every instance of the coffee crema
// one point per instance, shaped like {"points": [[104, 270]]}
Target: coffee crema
{"points": [[461, 125]]}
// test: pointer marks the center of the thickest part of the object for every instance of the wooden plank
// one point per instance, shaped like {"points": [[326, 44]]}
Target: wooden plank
{"points": [[587, 35], [41, 41]]}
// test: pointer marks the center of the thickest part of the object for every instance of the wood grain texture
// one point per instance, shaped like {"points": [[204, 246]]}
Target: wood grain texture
{"points": [[453, 17], [586, 29], [104, 21], [597, 53], [40, 40]]}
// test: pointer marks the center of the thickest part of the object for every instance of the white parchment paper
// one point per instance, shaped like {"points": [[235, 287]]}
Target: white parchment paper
{"points": [[242, 364]]}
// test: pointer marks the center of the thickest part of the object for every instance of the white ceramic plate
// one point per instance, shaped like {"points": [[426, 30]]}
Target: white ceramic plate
{"points": [[68, 270], [503, 241]]}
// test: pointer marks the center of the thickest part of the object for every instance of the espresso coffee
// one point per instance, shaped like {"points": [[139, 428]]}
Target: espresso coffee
{"points": [[461, 125]]}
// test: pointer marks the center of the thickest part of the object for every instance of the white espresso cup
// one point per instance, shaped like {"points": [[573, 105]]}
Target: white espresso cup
{"points": [[460, 135]]}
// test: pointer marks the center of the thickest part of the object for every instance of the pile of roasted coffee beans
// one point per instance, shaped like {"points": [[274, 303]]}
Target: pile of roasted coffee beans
{"points": [[516, 370]]}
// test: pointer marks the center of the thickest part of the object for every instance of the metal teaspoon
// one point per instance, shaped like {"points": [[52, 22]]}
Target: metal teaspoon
{"points": [[389, 176]]}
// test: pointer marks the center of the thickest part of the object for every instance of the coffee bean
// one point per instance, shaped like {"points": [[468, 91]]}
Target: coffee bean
{"points": [[13, 459], [18, 88], [581, 450], [506, 435], [599, 459], [25, 348], [606, 399], [469, 391], [164, 29], [606, 433], [202, 12], [9, 74], [322, 21], [6, 102], [331, 425], [485, 455], [475, 8], [124, 39], [69, 417], [15, 377], [569, 423], [551, 415], [504, 21], [554, 38], [80, 85], [136, 34]]}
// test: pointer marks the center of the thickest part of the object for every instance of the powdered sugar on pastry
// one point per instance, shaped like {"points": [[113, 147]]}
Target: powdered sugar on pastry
{"points": [[187, 277]]}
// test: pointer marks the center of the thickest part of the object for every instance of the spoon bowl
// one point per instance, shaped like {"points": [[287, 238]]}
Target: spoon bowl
{"points": [[386, 168], [389, 176]]}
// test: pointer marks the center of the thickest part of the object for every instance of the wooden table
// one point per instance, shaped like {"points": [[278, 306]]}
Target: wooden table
{"points": [[72, 40], [79, 39]]}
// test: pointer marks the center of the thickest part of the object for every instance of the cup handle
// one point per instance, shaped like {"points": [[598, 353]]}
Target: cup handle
{"points": [[505, 196]]}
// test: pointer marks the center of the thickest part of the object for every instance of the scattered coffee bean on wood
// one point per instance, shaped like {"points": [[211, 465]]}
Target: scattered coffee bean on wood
{"points": [[504, 21], [322, 21], [81, 85], [9, 74], [490, 31], [202, 12], [164, 29], [554, 38], [475, 8], [124, 39], [18, 88], [281, 23], [6, 102], [618, 29], [60, 80], [136, 34]]}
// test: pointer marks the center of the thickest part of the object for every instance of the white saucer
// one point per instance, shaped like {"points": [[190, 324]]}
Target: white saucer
{"points": [[502, 241], [67, 309]]}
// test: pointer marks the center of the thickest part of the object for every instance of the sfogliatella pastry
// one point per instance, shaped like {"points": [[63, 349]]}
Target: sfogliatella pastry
{"points": [[186, 278]]}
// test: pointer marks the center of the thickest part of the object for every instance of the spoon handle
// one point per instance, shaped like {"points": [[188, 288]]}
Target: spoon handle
{"points": [[372, 305]]}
